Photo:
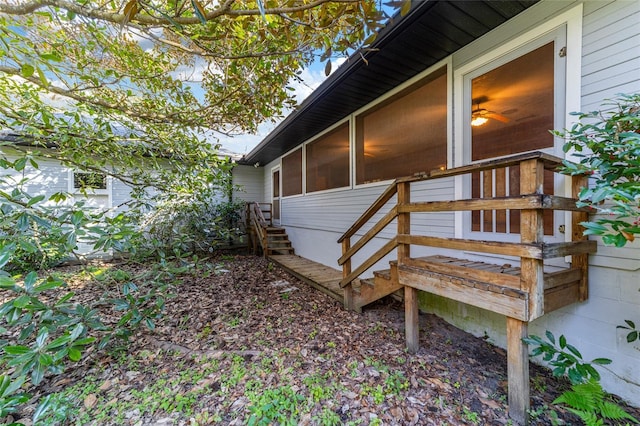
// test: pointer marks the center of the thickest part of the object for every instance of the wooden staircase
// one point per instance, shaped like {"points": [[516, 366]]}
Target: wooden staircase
{"points": [[263, 236], [382, 284], [277, 242]]}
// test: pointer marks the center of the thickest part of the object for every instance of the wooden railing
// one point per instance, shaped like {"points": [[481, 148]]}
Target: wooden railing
{"points": [[258, 223], [522, 296], [531, 202]]}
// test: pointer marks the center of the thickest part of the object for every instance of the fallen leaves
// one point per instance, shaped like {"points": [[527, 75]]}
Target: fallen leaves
{"points": [[227, 337]]}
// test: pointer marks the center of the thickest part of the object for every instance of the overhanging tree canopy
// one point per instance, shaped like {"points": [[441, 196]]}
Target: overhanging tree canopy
{"points": [[117, 83]]}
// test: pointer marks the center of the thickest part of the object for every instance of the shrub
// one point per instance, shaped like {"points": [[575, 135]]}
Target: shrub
{"points": [[608, 145]]}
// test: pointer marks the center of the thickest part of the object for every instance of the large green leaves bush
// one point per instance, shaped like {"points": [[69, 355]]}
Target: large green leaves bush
{"points": [[607, 146]]}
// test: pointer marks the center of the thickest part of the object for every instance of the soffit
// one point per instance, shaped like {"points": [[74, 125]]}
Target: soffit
{"points": [[433, 30]]}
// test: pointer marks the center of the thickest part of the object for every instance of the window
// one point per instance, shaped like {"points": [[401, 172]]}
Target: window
{"points": [[405, 135], [512, 111], [87, 180], [517, 104], [292, 173], [275, 199], [328, 161]]}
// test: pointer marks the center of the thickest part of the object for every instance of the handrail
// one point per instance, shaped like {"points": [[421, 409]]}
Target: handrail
{"points": [[382, 252], [257, 211], [259, 223], [530, 247], [373, 209], [393, 213], [550, 162]]}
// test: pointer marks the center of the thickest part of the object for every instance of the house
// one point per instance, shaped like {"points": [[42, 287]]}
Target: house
{"points": [[447, 96], [95, 190]]}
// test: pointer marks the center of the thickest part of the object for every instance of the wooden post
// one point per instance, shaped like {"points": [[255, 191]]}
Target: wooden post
{"points": [[518, 371], [349, 303], [411, 311], [532, 231], [404, 221], [580, 261], [265, 242], [247, 224], [411, 319], [531, 281]]}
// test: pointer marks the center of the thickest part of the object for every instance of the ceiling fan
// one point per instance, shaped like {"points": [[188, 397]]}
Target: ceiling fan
{"points": [[480, 116]]}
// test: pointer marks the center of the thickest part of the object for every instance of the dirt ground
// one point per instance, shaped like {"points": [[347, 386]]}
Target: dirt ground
{"points": [[251, 343]]}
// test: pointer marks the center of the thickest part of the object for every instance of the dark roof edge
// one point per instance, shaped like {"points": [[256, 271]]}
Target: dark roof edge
{"points": [[355, 60]]}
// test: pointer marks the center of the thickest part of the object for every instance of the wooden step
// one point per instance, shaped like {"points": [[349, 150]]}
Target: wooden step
{"points": [[274, 230], [276, 237], [382, 284], [280, 250]]}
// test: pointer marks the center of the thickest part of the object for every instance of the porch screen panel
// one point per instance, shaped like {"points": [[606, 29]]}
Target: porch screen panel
{"points": [[406, 134], [328, 161], [518, 99], [292, 173]]}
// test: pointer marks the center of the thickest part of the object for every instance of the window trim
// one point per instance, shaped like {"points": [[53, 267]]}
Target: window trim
{"points": [[89, 191], [347, 120], [303, 172], [448, 63], [572, 21]]}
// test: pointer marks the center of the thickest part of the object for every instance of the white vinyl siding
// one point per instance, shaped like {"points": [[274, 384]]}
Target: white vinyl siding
{"points": [[611, 65], [49, 178], [250, 183], [611, 51]]}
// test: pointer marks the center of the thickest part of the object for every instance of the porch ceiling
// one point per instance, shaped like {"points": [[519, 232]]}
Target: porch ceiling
{"points": [[432, 30]]}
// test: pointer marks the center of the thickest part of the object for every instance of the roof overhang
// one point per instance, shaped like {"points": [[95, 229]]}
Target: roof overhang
{"points": [[406, 46]]}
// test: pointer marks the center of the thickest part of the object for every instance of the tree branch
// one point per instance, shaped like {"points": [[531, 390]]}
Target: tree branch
{"points": [[121, 18]]}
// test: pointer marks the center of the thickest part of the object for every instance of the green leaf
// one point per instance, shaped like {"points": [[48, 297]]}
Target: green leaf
{"points": [[632, 337], [20, 164], [16, 349], [43, 408], [7, 282], [77, 331], [27, 70], [21, 301], [51, 56], [42, 77], [601, 361], [550, 337], [35, 200], [37, 374], [30, 280], [200, 12], [74, 354]]}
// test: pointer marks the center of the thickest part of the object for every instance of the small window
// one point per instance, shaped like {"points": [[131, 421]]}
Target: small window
{"points": [[276, 184], [292, 173], [89, 180], [406, 134], [328, 161]]}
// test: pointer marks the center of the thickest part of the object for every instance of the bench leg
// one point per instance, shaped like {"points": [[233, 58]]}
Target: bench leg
{"points": [[518, 371], [411, 319]]}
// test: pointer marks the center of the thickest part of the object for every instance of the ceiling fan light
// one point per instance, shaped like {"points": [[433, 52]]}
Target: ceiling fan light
{"points": [[478, 121]]}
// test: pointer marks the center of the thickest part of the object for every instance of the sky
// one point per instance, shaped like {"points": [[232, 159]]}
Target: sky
{"points": [[311, 78]]}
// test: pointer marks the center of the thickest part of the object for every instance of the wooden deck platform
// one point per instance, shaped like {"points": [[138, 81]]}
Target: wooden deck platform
{"points": [[319, 276]]}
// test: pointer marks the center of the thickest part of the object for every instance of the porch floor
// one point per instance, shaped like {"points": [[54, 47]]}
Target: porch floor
{"points": [[319, 276]]}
